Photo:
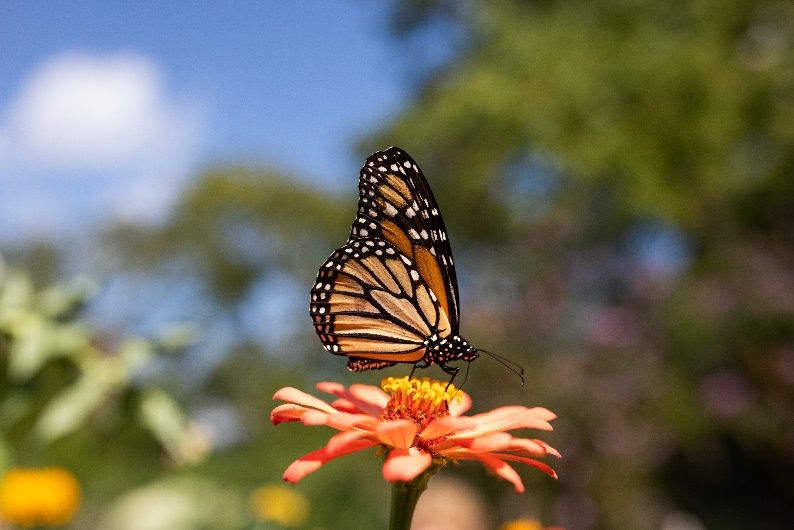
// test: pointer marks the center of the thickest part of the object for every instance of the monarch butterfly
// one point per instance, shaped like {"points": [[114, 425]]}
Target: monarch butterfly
{"points": [[390, 294]]}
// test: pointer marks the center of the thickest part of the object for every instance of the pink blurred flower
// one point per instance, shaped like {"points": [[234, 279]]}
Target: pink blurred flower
{"points": [[420, 423]]}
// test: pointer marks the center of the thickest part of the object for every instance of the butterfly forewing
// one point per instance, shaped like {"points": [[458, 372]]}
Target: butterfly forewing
{"points": [[396, 204]]}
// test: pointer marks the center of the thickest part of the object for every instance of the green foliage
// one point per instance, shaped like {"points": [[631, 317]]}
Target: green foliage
{"points": [[58, 374]]}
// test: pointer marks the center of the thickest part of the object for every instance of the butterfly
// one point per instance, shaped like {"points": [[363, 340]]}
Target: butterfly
{"points": [[390, 294]]}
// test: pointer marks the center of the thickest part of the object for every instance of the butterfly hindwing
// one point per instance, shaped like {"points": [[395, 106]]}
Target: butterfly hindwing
{"points": [[370, 303]]}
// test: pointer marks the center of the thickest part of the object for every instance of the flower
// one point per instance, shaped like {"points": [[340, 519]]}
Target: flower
{"points": [[420, 423], [39, 497], [525, 524], [521, 524], [275, 503]]}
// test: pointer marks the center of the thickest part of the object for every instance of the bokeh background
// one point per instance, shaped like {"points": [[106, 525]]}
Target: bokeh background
{"points": [[616, 178]]}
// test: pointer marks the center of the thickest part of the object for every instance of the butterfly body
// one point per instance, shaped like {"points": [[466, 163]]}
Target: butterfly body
{"points": [[390, 294], [442, 350]]}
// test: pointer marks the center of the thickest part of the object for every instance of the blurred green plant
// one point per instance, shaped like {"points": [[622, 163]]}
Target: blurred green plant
{"points": [[57, 374]]}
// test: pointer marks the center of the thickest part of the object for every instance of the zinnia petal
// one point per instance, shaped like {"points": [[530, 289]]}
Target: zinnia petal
{"points": [[330, 387], [314, 417], [405, 464], [299, 397], [445, 425], [503, 470], [458, 408], [508, 418], [368, 399], [345, 405], [532, 447], [341, 440], [543, 413], [344, 422], [549, 449], [488, 444], [397, 433], [371, 395], [530, 462], [315, 460], [287, 412]]}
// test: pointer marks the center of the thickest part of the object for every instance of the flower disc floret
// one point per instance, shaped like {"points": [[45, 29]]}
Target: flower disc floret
{"points": [[418, 400]]}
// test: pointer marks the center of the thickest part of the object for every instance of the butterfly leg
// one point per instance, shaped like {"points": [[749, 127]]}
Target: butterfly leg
{"points": [[452, 371], [423, 364], [411, 375]]}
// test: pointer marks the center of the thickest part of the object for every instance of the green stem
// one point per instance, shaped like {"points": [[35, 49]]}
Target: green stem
{"points": [[404, 496]]}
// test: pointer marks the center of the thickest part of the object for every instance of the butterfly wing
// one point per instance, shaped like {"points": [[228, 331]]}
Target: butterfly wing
{"points": [[371, 304], [381, 296], [396, 204]]}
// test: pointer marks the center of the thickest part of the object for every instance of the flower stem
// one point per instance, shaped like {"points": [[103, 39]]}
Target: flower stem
{"points": [[404, 496]]}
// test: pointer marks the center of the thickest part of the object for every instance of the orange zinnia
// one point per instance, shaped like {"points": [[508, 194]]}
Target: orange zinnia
{"points": [[420, 422]]}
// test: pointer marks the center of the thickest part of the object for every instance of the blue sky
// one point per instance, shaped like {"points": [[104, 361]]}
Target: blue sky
{"points": [[107, 108]]}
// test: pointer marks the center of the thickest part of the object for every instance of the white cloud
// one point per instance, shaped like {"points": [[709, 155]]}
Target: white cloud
{"points": [[101, 134]]}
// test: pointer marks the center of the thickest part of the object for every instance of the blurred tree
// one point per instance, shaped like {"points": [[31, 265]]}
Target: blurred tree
{"points": [[618, 175], [236, 225]]}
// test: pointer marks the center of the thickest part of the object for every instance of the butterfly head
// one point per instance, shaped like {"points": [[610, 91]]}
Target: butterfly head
{"points": [[468, 352]]}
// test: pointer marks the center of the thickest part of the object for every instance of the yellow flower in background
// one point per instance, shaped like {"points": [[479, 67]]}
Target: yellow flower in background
{"points": [[277, 504], [39, 497], [525, 523], [521, 524]]}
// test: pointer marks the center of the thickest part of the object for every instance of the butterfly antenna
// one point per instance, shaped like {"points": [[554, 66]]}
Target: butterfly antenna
{"points": [[507, 363]]}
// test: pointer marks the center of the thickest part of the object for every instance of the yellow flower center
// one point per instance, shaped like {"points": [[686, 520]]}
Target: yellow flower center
{"points": [[418, 400]]}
